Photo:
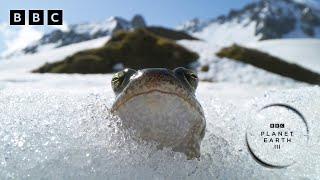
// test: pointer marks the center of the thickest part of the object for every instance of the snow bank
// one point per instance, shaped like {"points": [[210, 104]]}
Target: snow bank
{"points": [[28, 63], [304, 52], [228, 33], [47, 133], [226, 70]]}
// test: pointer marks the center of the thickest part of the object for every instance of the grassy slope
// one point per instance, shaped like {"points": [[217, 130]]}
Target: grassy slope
{"points": [[170, 34], [269, 63], [137, 49]]}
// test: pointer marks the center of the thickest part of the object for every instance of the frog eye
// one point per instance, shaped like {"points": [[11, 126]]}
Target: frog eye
{"points": [[121, 79], [187, 76], [192, 79], [117, 79]]}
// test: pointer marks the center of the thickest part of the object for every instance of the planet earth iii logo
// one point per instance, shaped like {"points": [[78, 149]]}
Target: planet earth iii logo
{"points": [[277, 136]]}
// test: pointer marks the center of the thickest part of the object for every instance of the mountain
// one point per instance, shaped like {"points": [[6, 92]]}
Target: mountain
{"points": [[136, 49], [82, 32], [260, 20]]}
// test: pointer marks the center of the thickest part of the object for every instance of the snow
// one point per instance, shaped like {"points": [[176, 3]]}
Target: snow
{"points": [[27, 38], [226, 70], [28, 63], [59, 127], [92, 28], [312, 3], [290, 50], [246, 25], [17, 38], [229, 33]]}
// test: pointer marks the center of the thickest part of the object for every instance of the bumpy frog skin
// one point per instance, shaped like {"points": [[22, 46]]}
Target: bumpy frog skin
{"points": [[160, 105]]}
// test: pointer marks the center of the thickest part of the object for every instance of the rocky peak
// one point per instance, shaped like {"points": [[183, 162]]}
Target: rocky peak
{"points": [[272, 18], [138, 22]]}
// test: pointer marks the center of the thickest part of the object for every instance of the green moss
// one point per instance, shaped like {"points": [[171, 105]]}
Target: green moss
{"points": [[138, 49], [269, 63], [170, 34], [205, 68]]}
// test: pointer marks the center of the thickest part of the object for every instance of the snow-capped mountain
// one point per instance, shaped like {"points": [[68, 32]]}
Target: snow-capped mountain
{"points": [[81, 32], [260, 20]]}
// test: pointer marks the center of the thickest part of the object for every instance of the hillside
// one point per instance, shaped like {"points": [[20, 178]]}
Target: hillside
{"points": [[137, 49], [270, 63], [304, 52]]}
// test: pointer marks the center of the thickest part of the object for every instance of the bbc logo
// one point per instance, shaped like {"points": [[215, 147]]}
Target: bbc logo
{"points": [[36, 17], [276, 125]]}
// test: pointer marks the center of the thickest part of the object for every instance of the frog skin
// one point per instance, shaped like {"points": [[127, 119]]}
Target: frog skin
{"points": [[160, 106]]}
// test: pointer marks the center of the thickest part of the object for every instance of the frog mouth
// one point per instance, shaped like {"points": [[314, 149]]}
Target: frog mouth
{"points": [[165, 86], [121, 102], [159, 116]]}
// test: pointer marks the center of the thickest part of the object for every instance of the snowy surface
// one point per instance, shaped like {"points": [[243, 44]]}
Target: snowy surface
{"points": [[226, 70], [28, 63], [290, 50], [229, 33], [59, 127], [16, 38]]}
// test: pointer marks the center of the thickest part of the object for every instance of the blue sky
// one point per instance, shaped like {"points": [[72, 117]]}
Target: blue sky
{"points": [[159, 12]]}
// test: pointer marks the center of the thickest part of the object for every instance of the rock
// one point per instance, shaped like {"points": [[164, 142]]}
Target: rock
{"points": [[138, 22]]}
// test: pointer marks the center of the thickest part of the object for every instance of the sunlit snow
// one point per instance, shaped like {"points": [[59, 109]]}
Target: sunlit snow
{"points": [[58, 126], [290, 50], [65, 131]]}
